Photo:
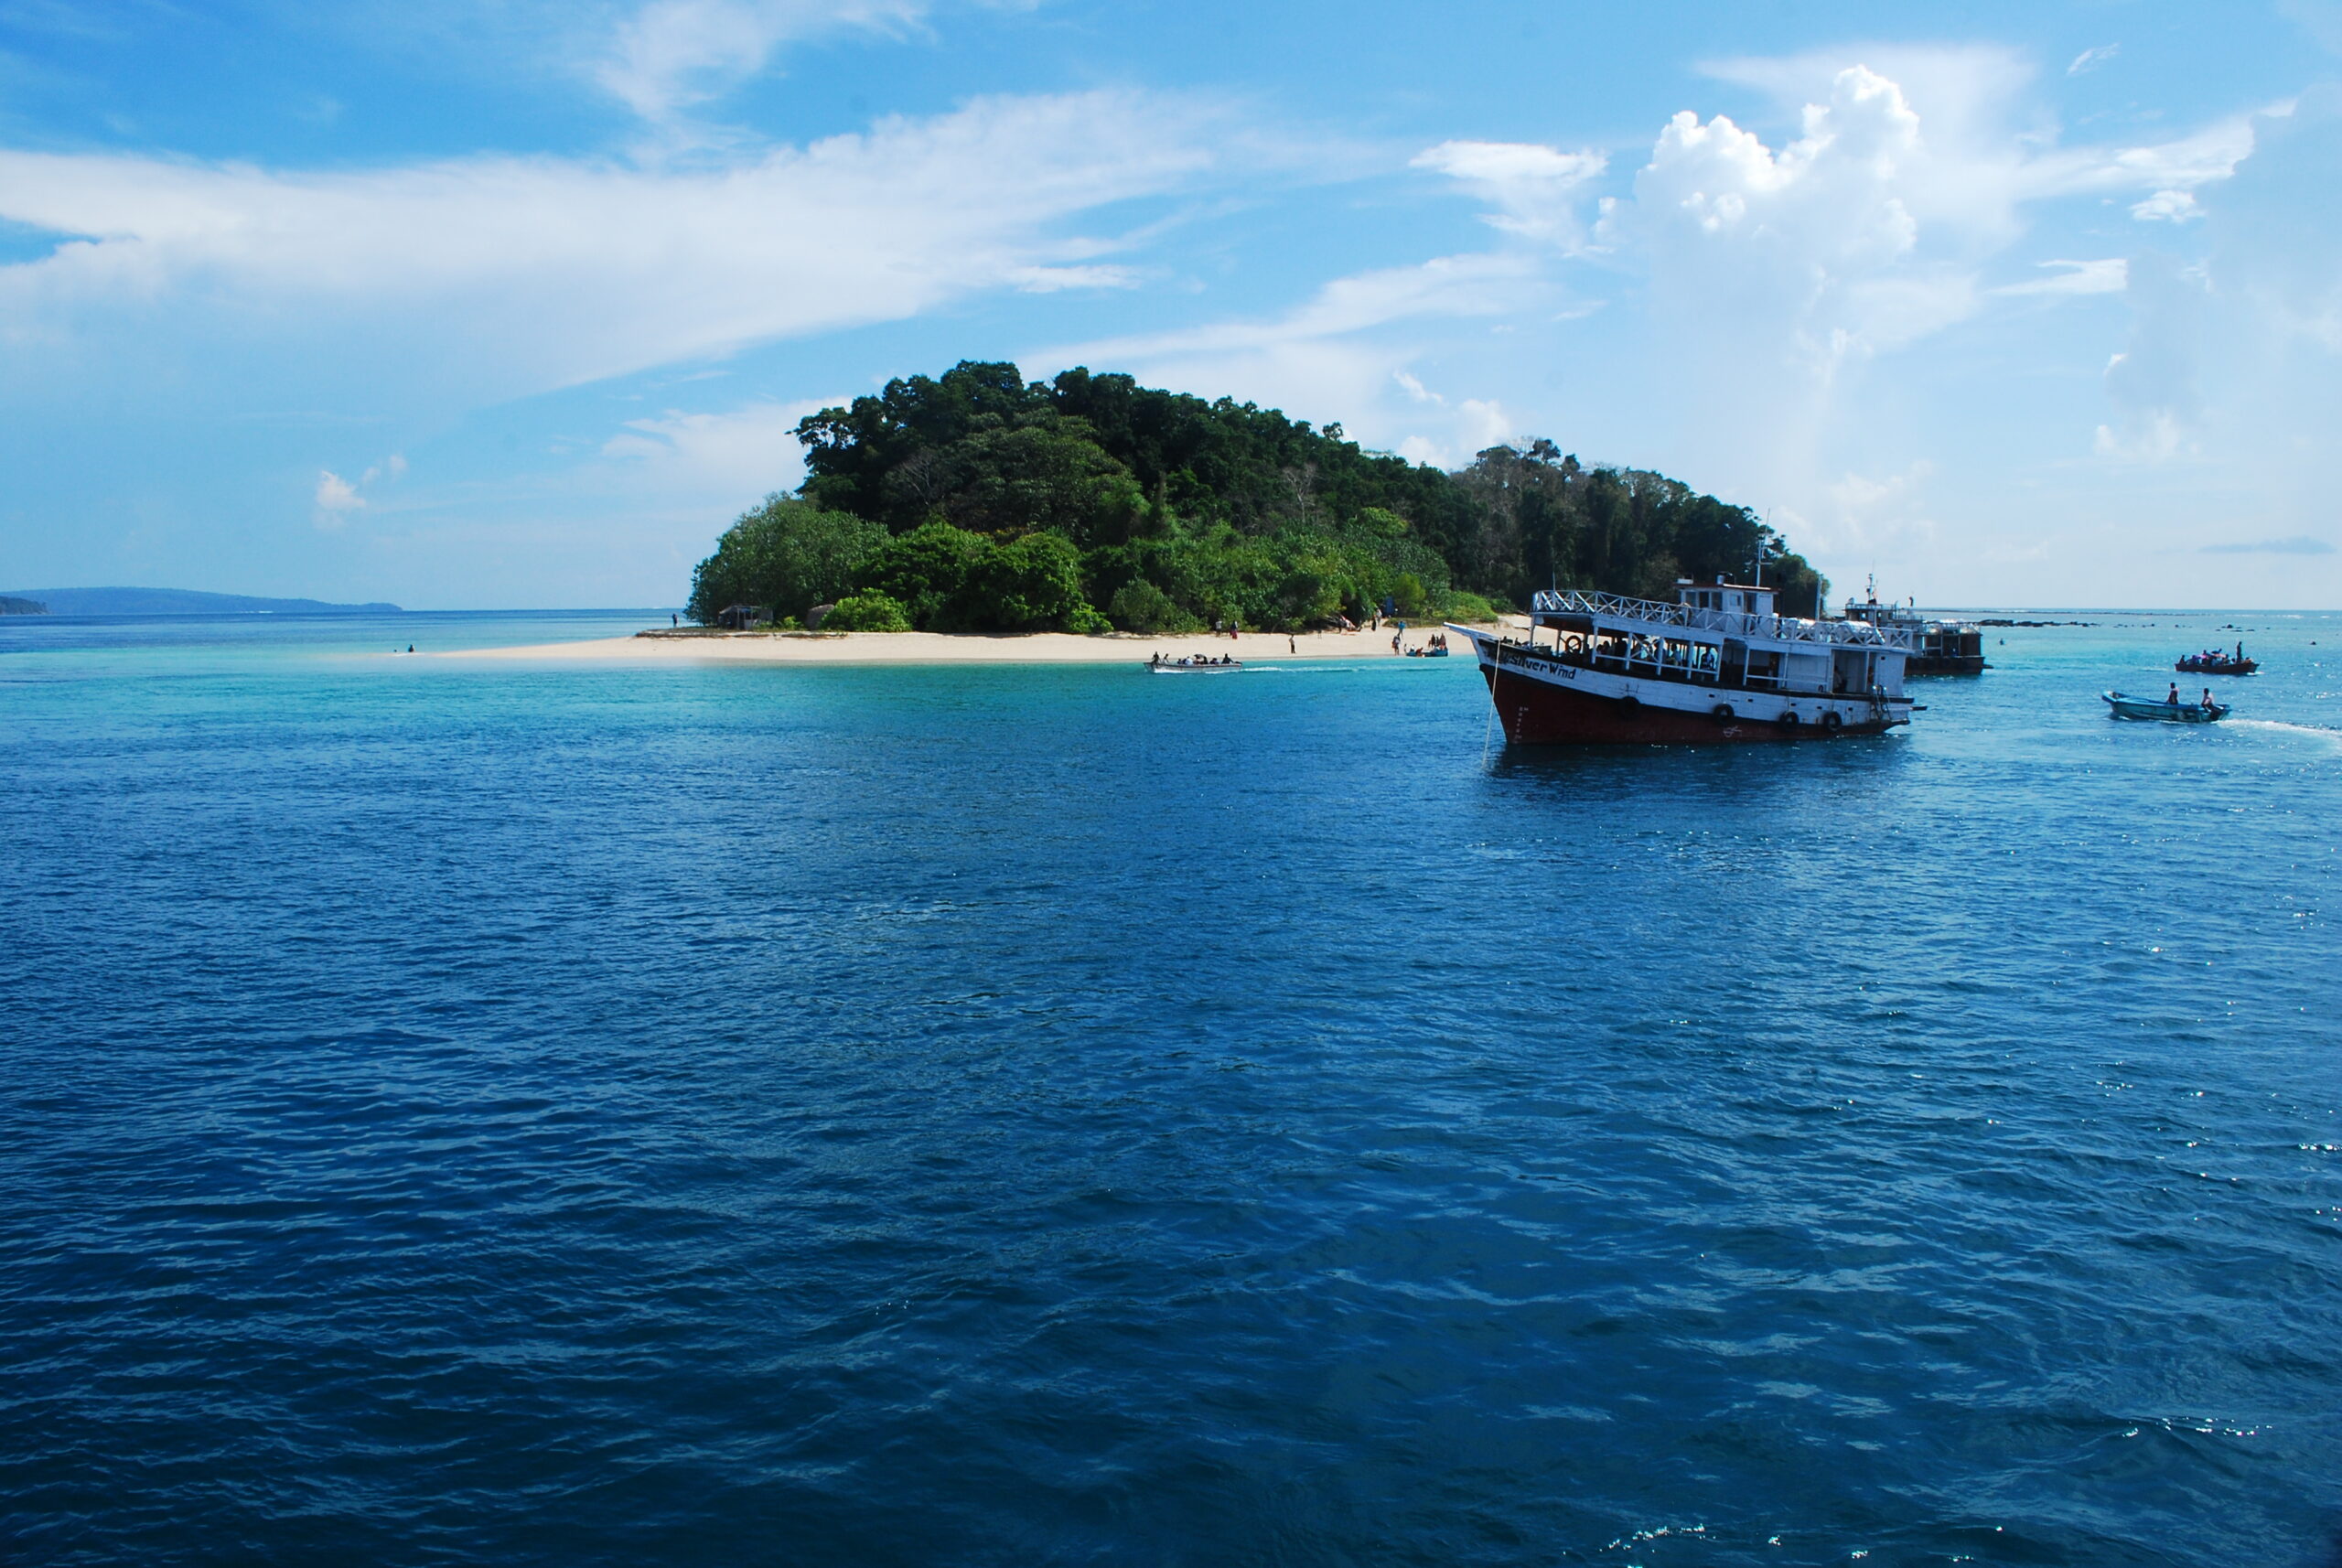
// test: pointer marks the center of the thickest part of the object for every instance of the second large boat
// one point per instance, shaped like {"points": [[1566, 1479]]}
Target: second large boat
{"points": [[1716, 665]]}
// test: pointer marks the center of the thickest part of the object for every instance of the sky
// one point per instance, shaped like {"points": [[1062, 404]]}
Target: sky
{"points": [[471, 304]]}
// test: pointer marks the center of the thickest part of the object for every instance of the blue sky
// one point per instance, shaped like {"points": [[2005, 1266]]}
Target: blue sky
{"points": [[509, 304]]}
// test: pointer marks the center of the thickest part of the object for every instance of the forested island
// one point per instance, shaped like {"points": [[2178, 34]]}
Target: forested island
{"points": [[979, 501], [178, 602]]}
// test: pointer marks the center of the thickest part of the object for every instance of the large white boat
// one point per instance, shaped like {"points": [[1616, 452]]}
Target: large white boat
{"points": [[1716, 665]]}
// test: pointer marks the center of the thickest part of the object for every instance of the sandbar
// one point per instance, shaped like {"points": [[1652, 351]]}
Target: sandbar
{"points": [[940, 647]]}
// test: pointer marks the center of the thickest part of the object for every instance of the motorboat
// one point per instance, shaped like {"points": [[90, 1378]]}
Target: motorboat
{"points": [[2217, 664], [1193, 665], [2163, 709]]}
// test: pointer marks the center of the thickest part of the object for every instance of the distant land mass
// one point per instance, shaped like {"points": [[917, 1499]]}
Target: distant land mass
{"points": [[171, 602], [12, 606]]}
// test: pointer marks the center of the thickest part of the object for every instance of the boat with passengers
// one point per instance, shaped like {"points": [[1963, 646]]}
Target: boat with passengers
{"points": [[2212, 662], [1719, 664], [2170, 710]]}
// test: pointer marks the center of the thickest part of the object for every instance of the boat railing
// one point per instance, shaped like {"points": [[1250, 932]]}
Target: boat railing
{"points": [[1728, 623]]}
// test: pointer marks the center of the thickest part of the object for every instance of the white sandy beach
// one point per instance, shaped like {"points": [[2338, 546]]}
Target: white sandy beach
{"points": [[938, 647]]}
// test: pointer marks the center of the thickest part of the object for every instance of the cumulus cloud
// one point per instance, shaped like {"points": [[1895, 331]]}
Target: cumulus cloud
{"points": [[515, 275], [336, 498], [2167, 207], [335, 494]]}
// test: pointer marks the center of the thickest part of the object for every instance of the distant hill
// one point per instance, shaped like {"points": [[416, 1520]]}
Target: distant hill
{"points": [[9, 607], [175, 602]]}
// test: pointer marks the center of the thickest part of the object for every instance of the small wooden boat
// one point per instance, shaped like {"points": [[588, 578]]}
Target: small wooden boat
{"points": [[2216, 664], [1195, 666], [2163, 709]]}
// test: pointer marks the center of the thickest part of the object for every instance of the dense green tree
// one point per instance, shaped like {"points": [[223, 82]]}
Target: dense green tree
{"points": [[930, 572], [784, 557], [868, 611], [1046, 473], [953, 579], [1232, 512], [1139, 606], [1032, 584]]}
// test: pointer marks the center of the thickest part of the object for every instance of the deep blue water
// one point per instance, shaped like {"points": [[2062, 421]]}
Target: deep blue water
{"points": [[494, 1113]]}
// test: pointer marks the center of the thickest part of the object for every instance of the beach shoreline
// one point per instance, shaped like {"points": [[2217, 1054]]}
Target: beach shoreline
{"points": [[948, 648]]}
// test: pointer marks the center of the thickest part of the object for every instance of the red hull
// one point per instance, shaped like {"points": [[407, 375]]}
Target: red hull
{"points": [[1535, 713]]}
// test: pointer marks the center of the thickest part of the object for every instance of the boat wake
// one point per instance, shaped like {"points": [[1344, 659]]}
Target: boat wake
{"points": [[2333, 738]]}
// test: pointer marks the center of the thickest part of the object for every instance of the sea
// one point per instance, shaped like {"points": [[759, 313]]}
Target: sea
{"points": [[503, 1112]]}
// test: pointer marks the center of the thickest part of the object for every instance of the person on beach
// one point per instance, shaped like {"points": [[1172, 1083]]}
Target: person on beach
{"points": [[1289, 647], [1394, 642]]}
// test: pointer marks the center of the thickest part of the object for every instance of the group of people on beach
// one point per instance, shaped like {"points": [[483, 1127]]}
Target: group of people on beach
{"points": [[1433, 648]]}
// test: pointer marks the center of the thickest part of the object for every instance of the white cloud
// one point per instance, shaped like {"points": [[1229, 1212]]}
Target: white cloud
{"points": [[1531, 187], [1342, 354], [1862, 515], [2168, 206], [2090, 59], [1464, 286], [741, 453], [1813, 253], [335, 493], [2153, 382], [2107, 275], [336, 498], [675, 53], [510, 276]]}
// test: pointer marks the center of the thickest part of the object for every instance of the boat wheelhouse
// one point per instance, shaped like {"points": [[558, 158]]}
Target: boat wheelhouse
{"points": [[1719, 664]]}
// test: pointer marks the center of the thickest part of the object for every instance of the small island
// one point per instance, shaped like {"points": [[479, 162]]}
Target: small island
{"points": [[979, 502]]}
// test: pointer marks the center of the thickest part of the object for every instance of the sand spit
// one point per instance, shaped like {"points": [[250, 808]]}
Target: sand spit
{"points": [[938, 647]]}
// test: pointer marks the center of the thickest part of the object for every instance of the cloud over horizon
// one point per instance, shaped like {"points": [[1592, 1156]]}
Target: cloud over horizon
{"points": [[1897, 294], [539, 273]]}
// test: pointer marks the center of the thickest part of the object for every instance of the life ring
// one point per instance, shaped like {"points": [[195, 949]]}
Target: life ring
{"points": [[1831, 721], [1786, 721], [1722, 713], [1574, 643]]}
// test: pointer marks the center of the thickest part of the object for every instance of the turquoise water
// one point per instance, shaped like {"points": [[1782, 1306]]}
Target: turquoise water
{"points": [[498, 1113]]}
